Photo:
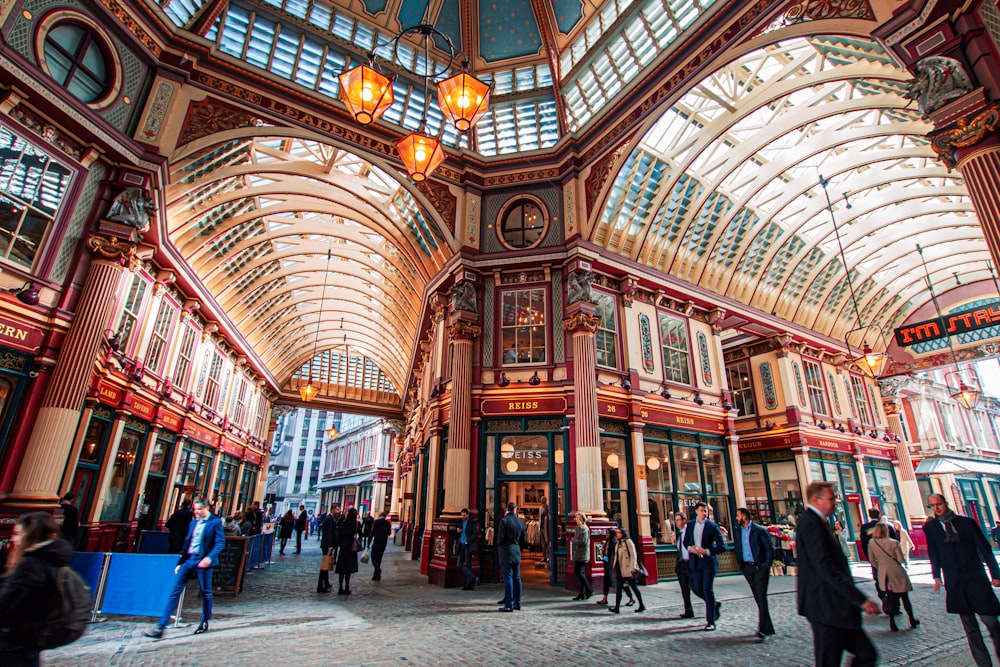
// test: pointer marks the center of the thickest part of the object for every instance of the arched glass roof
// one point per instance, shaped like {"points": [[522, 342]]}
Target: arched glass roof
{"points": [[256, 216], [724, 189]]}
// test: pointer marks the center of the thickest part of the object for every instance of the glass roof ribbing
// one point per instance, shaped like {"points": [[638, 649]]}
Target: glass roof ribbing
{"points": [[255, 218], [723, 190]]}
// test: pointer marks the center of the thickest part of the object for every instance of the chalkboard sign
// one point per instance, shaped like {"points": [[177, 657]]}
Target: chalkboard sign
{"points": [[228, 575]]}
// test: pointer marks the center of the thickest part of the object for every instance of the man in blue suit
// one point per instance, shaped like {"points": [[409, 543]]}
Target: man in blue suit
{"points": [[204, 542], [704, 542], [754, 553]]}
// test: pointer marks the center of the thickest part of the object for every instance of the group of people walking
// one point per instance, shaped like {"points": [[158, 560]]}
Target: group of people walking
{"points": [[343, 536]]}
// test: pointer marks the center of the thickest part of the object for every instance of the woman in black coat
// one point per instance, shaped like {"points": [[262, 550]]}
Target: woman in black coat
{"points": [[328, 533], [285, 530], [347, 557], [28, 590]]}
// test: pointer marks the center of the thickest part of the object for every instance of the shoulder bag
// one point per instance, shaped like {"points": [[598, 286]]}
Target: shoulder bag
{"points": [[358, 544]]}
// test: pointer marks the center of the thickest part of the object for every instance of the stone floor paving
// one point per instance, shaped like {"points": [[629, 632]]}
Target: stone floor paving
{"points": [[402, 620]]}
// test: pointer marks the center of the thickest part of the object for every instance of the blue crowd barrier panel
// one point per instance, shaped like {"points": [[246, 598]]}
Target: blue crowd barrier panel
{"points": [[266, 548], [155, 542], [88, 565], [253, 552], [138, 584]]}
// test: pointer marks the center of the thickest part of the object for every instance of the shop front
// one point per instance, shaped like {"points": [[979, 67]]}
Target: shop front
{"points": [[18, 344]]}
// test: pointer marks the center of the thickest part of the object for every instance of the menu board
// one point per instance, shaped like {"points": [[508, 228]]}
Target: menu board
{"points": [[228, 575]]}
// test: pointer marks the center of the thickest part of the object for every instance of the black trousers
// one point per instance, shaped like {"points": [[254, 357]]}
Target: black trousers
{"points": [[298, 540], [580, 571], [830, 642], [465, 562], [683, 571], [378, 550], [975, 637], [758, 578]]}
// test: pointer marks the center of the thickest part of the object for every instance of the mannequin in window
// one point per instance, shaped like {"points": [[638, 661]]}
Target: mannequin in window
{"points": [[543, 528]]}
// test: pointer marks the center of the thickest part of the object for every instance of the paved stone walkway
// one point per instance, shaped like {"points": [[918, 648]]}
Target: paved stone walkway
{"points": [[402, 620]]}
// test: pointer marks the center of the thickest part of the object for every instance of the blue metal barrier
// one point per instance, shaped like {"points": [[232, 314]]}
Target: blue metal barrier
{"points": [[155, 542], [266, 548], [253, 552], [138, 584], [89, 566]]}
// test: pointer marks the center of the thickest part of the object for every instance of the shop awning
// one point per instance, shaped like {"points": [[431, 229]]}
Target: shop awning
{"points": [[352, 480], [941, 464]]}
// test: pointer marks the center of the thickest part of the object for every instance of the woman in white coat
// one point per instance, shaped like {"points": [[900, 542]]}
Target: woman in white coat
{"points": [[626, 563]]}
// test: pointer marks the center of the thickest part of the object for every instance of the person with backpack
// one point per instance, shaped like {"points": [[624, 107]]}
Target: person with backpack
{"points": [[36, 604]]}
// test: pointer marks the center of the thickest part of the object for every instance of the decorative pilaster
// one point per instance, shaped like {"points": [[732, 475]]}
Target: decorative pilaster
{"points": [[456, 470], [582, 326], [909, 490], [55, 424]]}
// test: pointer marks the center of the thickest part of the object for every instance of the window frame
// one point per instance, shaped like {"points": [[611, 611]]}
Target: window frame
{"points": [[509, 208], [115, 78], [603, 331], [543, 324], [685, 325], [745, 391], [819, 402], [160, 335]]}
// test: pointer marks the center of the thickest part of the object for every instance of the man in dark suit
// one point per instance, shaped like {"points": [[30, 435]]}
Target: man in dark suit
{"points": [[202, 546], [754, 553], [956, 545], [510, 535], [875, 515], [467, 534], [704, 543], [300, 525], [826, 593], [682, 568], [381, 530], [71, 518]]}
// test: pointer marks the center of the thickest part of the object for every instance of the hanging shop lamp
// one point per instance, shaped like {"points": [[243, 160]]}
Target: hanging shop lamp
{"points": [[366, 92], [420, 154], [463, 100]]}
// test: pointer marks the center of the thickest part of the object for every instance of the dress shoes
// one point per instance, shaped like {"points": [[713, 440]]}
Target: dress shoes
{"points": [[155, 633], [718, 610], [710, 627], [687, 614], [761, 636], [506, 609], [517, 607], [578, 597], [502, 603], [640, 609], [202, 628], [602, 601], [613, 610]]}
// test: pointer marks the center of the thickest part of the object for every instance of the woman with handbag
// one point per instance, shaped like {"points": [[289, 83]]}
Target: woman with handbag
{"points": [[609, 570], [328, 533], [349, 546], [886, 558], [285, 530], [627, 569]]}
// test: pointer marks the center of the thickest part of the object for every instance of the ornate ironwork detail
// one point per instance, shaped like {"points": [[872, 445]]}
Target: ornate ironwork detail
{"points": [[112, 248], [582, 321], [544, 424], [440, 197], [613, 427], [770, 398], [647, 343], [706, 365], [464, 331], [968, 132], [503, 426], [210, 116], [11, 361]]}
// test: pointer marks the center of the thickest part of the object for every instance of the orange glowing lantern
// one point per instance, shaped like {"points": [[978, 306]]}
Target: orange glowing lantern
{"points": [[366, 92], [463, 99], [421, 155]]}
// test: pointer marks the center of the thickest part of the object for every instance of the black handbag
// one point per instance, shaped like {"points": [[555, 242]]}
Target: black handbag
{"points": [[640, 571], [358, 544]]}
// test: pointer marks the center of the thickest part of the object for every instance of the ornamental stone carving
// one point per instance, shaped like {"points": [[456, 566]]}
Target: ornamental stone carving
{"points": [[463, 297], [582, 320], [967, 132], [937, 80], [578, 287], [113, 248]]}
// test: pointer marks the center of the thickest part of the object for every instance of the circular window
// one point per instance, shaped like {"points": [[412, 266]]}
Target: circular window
{"points": [[75, 53], [523, 224]]}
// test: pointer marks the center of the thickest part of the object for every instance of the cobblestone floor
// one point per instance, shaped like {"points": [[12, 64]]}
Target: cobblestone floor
{"points": [[402, 620]]}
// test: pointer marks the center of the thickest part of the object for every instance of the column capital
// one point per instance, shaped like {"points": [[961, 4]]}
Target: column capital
{"points": [[110, 247], [966, 132], [582, 321], [463, 331]]}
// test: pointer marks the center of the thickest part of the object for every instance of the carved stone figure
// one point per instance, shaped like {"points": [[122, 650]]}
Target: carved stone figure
{"points": [[937, 81], [463, 297], [132, 207], [578, 287]]}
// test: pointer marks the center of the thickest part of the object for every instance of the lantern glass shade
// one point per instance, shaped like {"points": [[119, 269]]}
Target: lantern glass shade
{"points": [[308, 392], [966, 396], [653, 463], [421, 155], [872, 362], [332, 433], [559, 456], [463, 100], [613, 460], [366, 92]]}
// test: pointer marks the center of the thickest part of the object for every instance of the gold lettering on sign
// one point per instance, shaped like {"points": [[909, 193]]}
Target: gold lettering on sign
{"points": [[684, 420], [109, 393], [14, 332], [644, 413], [612, 409], [522, 405]]}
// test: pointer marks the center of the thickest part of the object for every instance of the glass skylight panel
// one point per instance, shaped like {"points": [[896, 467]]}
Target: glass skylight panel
{"points": [[181, 11], [259, 42], [286, 53], [298, 8], [310, 59], [320, 15], [343, 27]]}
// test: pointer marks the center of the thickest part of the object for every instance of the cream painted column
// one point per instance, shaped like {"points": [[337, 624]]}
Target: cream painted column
{"points": [[430, 471], [909, 490], [866, 499], [738, 491], [394, 501], [456, 463], [802, 468], [55, 424], [582, 326], [641, 489]]}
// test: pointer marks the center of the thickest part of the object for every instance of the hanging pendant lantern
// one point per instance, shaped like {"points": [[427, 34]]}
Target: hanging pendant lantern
{"points": [[421, 155], [308, 392], [366, 92], [463, 100]]}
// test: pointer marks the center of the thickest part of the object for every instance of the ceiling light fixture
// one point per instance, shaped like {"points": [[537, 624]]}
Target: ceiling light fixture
{"points": [[309, 390], [967, 394], [462, 98], [869, 361]]}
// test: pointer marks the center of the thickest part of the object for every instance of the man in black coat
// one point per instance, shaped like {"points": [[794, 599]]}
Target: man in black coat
{"points": [[682, 568], [178, 524], [754, 553], [300, 525], [467, 538], [956, 545], [510, 535], [381, 530], [71, 518], [826, 593], [875, 516], [703, 540]]}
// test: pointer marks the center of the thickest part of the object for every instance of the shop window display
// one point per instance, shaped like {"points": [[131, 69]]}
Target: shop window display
{"points": [[522, 327]]}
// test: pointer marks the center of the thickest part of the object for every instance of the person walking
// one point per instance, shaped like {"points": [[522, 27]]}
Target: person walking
{"points": [[366, 528], [328, 532], [27, 590], [906, 544], [841, 532], [825, 593], [682, 568], [875, 517], [626, 566], [704, 542], [301, 525], [285, 530], [754, 553], [178, 524], [610, 542], [580, 548], [257, 518], [886, 556], [957, 547], [71, 518], [510, 535], [347, 557], [467, 536], [381, 530], [200, 554]]}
